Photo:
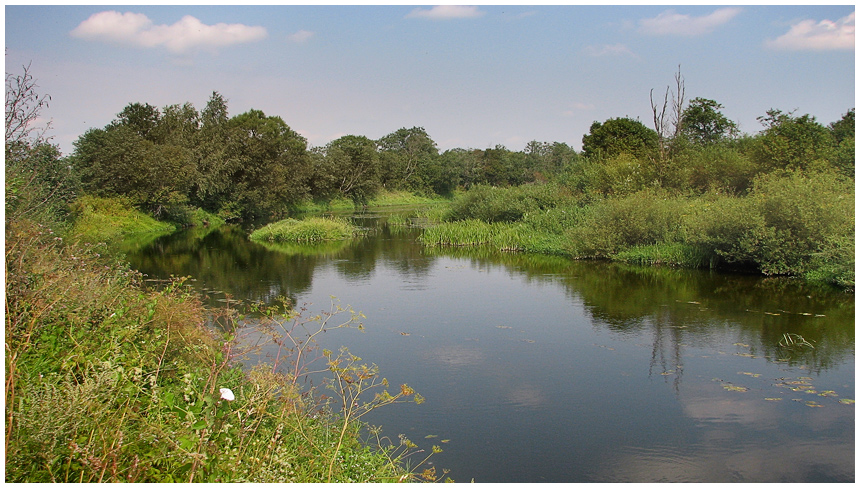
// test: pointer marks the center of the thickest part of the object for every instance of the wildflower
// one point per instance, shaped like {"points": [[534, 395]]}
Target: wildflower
{"points": [[227, 394]]}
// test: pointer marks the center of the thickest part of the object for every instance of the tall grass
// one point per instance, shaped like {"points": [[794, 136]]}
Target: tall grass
{"points": [[106, 381], [461, 233]]}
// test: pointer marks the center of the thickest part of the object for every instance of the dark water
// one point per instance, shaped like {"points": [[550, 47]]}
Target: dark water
{"points": [[542, 369]]}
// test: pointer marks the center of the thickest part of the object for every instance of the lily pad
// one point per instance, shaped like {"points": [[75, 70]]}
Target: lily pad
{"points": [[846, 401]]}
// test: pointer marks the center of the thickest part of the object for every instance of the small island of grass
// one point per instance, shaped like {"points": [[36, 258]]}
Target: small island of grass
{"points": [[313, 229]]}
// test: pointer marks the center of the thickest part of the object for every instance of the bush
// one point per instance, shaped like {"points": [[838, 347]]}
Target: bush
{"points": [[803, 214], [717, 167], [491, 204], [792, 223], [643, 218]]}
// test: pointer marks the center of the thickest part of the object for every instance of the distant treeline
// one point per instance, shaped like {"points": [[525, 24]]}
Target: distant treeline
{"points": [[254, 165]]}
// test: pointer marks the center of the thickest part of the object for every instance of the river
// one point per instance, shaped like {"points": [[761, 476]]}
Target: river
{"points": [[542, 369]]}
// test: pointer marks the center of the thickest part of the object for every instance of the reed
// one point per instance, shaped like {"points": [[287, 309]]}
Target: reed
{"points": [[461, 233]]}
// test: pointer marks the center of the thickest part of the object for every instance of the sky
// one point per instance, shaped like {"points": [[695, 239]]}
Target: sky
{"points": [[471, 76]]}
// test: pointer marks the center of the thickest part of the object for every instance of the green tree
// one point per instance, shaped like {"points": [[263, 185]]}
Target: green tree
{"points": [[269, 165], [349, 167], [502, 167], [843, 135], [119, 161], [617, 136], [141, 118], [38, 181], [215, 164], [178, 126], [790, 142], [549, 159], [408, 159], [702, 123]]}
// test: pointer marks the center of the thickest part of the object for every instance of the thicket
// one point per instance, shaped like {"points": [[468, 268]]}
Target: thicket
{"points": [[780, 202], [109, 381]]}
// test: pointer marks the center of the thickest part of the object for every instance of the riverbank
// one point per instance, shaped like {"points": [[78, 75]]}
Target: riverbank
{"points": [[793, 224], [107, 381]]}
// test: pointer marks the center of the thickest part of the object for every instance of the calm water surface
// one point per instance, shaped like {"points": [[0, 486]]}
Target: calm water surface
{"points": [[542, 369]]}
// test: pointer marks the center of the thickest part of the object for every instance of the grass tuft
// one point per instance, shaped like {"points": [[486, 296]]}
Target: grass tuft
{"points": [[313, 229]]}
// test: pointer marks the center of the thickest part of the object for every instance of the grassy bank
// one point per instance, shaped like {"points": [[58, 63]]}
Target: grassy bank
{"points": [[107, 381], [791, 223], [97, 219]]}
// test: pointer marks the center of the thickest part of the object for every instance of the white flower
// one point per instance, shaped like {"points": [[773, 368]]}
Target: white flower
{"points": [[227, 394]]}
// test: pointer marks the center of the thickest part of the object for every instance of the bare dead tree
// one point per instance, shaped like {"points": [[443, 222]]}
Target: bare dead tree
{"points": [[661, 124], [678, 103], [23, 108]]}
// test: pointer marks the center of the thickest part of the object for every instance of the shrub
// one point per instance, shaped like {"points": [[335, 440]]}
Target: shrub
{"points": [[718, 167], [643, 218], [803, 213], [492, 204]]}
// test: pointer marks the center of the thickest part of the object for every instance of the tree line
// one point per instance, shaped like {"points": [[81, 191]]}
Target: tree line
{"points": [[253, 165]]}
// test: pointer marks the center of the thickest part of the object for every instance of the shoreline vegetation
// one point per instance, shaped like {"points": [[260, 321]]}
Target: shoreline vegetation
{"points": [[107, 380]]}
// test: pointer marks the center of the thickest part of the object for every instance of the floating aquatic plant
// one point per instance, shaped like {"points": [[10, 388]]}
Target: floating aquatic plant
{"points": [[790, 339]]}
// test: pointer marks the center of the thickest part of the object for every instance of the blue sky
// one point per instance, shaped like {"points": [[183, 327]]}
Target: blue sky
{"points": [[473, 77]]}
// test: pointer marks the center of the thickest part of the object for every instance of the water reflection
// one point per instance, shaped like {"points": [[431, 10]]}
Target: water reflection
{"points": [[538, 368]]}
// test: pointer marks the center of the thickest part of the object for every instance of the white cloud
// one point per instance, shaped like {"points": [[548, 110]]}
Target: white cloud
{"points": [[672, 23], [808, 35], [186, 35], [301, 36], [608, 50], [440, 12], [578, 107]]}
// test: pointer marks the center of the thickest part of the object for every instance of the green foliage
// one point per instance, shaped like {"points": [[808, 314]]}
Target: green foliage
{"points": [[801, 214], [308, 230], [188, 216], [718, 168], [103, 219], [119, 162], [790, 142], [666, 254], [461, 233], [617, 136], [612, 225], [39, 184], [702, 123], [621, 174], [843, 135], [409, 160], [270, 165], [106, 382], [347, 167], [491, 204]]}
